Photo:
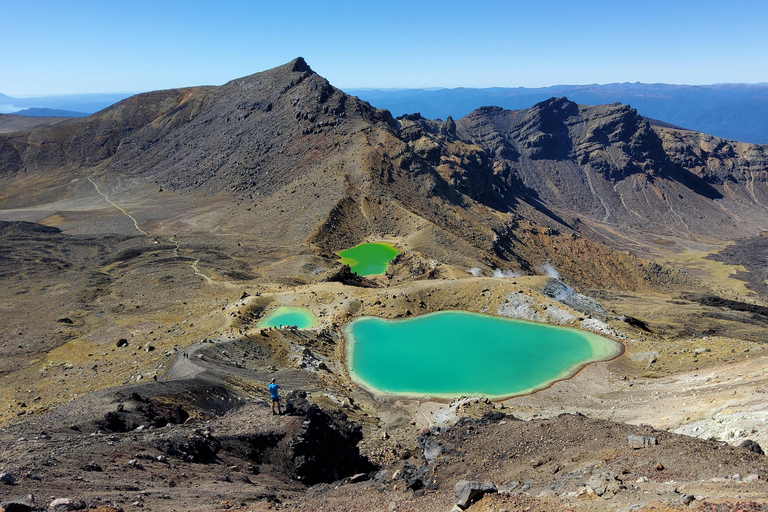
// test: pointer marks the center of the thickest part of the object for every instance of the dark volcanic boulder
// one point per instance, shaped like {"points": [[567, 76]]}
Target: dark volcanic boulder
{"points": [[325, 450], [345, 276], [752, 446], [200, 447], [134, 411], [25, 504], [418, 477]]}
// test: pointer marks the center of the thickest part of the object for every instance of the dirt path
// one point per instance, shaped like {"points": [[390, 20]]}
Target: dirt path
{"points": [[107, 199], [185, 365]]}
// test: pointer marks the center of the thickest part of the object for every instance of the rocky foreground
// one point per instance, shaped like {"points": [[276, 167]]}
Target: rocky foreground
{"points": [[137, 448], [249, 459]]}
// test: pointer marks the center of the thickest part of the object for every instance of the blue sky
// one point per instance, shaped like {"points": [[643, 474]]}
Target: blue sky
{"points": [[85, 46]]}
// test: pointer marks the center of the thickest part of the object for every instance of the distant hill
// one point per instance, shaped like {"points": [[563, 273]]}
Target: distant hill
{"points": [[731, 111], [78, 105], [49, 112]]}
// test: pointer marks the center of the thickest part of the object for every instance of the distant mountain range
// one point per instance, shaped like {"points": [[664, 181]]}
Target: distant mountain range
{"points": [[731, 111], [68, 105], [50, 112]]}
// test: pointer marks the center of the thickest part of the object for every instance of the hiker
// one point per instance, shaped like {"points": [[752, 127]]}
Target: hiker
{"points": [[273, 394]]}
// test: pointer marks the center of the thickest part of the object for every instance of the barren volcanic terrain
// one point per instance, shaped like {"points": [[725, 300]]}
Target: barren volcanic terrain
{"points": [[140, 246]]}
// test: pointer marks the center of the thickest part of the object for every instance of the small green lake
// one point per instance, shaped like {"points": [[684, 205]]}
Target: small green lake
{"points": [[455, 353], [368, 259], [285, 316]]}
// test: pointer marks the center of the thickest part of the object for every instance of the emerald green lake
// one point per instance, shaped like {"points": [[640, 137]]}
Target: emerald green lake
{"points": [[284, 316], [454, 353], [368, 259]]}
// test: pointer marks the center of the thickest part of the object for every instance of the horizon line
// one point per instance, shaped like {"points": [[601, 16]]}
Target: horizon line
{"points": [[393, 89]]}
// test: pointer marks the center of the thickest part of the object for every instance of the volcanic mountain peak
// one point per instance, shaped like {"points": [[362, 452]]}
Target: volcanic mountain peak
{"points": [[285, 138], [271, 83], [212, 131]]}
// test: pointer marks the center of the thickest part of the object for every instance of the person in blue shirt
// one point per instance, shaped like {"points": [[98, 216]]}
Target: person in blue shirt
{"points": [[274, 395]]}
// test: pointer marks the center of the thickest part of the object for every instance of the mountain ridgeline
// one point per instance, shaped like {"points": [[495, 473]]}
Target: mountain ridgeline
{"points": [[732, 111], [311, 166]]}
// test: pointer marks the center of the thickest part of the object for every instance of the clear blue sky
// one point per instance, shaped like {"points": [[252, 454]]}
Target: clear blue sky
{"points": [[83, 46]]}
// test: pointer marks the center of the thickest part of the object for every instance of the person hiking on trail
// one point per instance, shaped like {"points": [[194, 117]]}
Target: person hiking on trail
{"points": [[274, 395]]}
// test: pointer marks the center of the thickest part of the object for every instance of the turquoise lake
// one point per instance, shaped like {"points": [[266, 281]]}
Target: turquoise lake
{"points": [[454, 353], [368, 259], [285, 316]]}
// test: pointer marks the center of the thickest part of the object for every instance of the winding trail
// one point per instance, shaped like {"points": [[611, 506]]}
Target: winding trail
{"points": [[197, 270], [199, 273], [107, 199]]}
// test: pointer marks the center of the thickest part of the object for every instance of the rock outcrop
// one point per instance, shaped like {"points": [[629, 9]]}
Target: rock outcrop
{"points": [[468, 491], [325, 449]]}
